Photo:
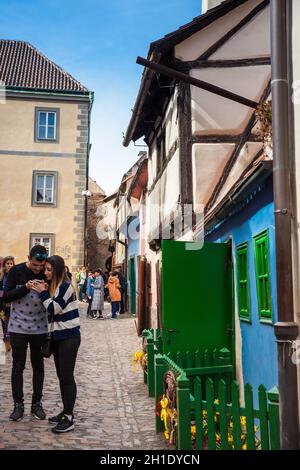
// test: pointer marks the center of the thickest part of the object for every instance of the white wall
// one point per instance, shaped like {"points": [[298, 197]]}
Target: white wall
{"points": [[207, 4], [212, 114], [171, 122], [198, 43]]}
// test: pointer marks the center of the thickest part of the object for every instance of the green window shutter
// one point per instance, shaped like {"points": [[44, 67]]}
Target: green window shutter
{"points": [[263, 277], [243, 281]]}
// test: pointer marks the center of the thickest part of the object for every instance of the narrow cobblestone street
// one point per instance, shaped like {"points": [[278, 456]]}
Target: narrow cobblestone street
{"points": [[112, 411]]}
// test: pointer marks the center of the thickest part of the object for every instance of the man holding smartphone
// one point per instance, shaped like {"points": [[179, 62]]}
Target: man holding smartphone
{"points": [[27, 326]]}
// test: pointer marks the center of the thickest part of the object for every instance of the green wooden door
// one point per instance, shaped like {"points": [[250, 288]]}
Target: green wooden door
{"points": [[197, 297], [132, 281]]}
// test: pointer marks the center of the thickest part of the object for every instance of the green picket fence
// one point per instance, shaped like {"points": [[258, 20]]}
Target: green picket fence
{"points": [[215, 363], [153, 347], [206, 419], [230, 426]]}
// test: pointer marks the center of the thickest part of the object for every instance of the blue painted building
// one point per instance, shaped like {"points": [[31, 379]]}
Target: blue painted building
{"points": [[247, 222]]}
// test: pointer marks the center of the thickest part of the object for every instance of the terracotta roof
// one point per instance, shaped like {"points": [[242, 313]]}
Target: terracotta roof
{"points": [[23, 66]]}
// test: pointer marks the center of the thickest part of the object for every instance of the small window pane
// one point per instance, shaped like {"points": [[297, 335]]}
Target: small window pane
{"points": [[49, 182], [39, 196], [51, 119], [40, 182], [42, 118], [51, 133], [42, 132], [48, 196]]}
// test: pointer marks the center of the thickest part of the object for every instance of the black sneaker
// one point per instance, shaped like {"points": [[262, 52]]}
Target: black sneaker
{"points": [[37, 410], [18, 412], [55, 419], [64, 425]]}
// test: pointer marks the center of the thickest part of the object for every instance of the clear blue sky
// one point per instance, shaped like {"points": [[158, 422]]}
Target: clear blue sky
{"points": [[97, 41]]}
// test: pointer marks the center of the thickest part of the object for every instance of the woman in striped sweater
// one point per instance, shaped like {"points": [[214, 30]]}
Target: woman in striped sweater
{"points": [[59, 300]]}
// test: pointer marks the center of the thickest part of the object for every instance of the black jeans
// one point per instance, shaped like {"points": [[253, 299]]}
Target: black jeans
{"points": [[19, 344], [65, 353]]}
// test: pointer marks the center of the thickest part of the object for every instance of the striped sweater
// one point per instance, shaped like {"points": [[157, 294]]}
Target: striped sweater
{"points": [[63, 312]]}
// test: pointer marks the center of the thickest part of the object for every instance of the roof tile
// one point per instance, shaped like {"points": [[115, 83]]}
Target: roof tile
{"points": [[23, 66]]}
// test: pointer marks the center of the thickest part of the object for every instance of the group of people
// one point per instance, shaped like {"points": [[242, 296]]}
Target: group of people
{"points": [[96, 286], [37, 299]]}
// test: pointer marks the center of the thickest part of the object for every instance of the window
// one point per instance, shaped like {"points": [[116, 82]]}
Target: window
{"points": [[44, 188], [243, 281], [46, 124], [46, 239], [263, 278]]}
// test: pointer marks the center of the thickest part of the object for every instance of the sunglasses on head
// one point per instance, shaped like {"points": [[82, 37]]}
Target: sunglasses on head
{"points": [[40, 256]]}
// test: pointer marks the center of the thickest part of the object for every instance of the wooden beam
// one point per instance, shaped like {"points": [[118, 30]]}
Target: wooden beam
{"points": [[185, 146], [182, 77], [228, 63], [212, 49], [222, 139]]}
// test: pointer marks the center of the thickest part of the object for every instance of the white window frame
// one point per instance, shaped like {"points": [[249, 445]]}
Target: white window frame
{"points": [[42, 236], [36, 174], [47, 111], [47, 125]]}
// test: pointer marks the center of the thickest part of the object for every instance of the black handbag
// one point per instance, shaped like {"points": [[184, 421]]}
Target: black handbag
{"points": [[47, 347]]}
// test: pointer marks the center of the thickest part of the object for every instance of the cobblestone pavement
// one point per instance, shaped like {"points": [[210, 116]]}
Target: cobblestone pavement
{"points": [[112, 411]]}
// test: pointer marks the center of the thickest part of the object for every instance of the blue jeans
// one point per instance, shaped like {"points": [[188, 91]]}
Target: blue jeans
{"points": [[80, 292], [115, 306]]}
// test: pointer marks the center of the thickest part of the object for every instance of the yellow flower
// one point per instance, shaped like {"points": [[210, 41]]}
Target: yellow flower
{"points": [[137, 359], [243, 420]]}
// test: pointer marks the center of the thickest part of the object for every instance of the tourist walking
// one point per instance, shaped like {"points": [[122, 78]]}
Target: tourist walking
{"points": [[114, 293], [82, 275], [98, 296], [90, 293]]}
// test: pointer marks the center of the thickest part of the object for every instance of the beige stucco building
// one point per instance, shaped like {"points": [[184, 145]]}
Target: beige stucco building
{"points": [[44, 153]]}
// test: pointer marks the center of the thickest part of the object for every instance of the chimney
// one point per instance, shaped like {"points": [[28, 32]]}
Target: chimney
{"points": [[208, 4]]}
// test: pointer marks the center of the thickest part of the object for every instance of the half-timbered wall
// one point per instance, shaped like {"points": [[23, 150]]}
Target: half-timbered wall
{"points": [[197, 44]]}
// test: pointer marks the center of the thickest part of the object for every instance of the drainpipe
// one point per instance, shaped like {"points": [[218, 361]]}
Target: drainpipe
{"points": [[286, 330], [89, 145]]}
